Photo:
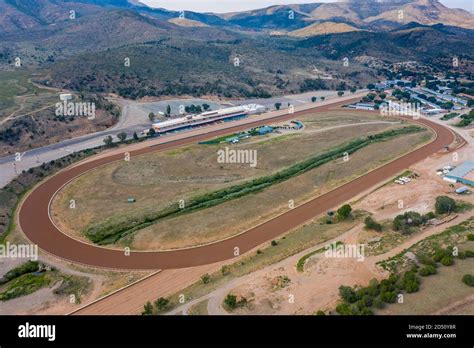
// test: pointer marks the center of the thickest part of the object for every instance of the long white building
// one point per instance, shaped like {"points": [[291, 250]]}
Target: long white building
{"points": [[207, 117]]}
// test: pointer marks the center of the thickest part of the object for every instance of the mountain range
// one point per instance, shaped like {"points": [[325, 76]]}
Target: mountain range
{"points": [[363, 14], [373, 15], [82, 44]]}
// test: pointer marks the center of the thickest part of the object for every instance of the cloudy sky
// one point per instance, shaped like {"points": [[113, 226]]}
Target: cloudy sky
{"points": [[222, 6]]}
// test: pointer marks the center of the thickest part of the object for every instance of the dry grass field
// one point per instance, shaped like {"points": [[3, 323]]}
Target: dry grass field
{"points": [[161, 179]]}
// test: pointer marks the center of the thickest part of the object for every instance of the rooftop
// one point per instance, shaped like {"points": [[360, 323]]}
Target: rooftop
{"points": [[463, 170]]}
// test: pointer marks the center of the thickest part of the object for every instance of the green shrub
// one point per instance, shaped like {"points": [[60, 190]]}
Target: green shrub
{"points": [[469, 253], [445, 205], [147, 309], [378, 303], [371, 224], [24, 285], [427, 271], [468, 279], [347, 294], [410, 282], [388, 296], [206, 278], [441, 253], [344, 309], [447, 260], [470, 236], [231, 301], [161, 304], [429, 216], [225, 270], [405, 222], [27, 267], [427, 261], [344, 212]]}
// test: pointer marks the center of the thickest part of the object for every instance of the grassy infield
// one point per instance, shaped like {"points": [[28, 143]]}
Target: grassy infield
{"points": [[111, 230]]}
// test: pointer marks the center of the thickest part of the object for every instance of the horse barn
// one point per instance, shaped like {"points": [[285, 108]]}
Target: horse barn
{"points": [[463, 173]]}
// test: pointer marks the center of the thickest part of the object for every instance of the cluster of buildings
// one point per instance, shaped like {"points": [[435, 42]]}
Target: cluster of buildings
{"points": [[463, 173], [383, 85], [441, 95], [445, 95]]}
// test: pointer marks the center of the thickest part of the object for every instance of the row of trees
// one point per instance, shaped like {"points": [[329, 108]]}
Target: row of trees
{"points": [[189, 109], [122, 137], [159, 306]]}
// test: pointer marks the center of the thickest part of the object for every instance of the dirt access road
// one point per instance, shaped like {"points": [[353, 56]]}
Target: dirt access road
{"points": [[35, 220]]}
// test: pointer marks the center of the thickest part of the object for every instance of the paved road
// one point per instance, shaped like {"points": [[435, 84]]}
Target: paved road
{"points": [[134, 118], [130, 121], [35, 220]]}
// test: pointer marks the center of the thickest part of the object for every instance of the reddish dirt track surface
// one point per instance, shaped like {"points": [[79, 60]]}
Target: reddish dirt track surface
{"points": [[35, 221]]}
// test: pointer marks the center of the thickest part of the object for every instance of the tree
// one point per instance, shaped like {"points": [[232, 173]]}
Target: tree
{"points": [[344, 212], [340, 93], [406, 221], [323, 98], [371, 224], [206, 278], [370, 86], [225, 270], [277, 106], [445, 205], [122, 136], [353, 89], [151, 132], [410, 282], [151, 116], [168, 110], [347, 294], [388, 296], [161, 304], [147, 309], [313, 99], [231, 301], [447, 260], [468, 279], [135, 136], [378, 303], [206, 106], [427, 271], [108, 141]]}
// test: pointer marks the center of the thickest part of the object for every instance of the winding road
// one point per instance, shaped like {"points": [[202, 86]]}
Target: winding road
{"points": [[36, 224]]}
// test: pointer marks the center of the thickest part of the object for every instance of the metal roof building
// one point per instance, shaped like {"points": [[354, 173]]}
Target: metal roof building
{"points": [[463, 173]]}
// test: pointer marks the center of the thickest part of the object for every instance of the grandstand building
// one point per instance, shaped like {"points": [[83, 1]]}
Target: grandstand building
{"points": [[192, 121]]}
